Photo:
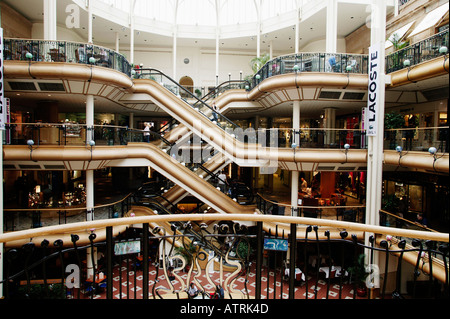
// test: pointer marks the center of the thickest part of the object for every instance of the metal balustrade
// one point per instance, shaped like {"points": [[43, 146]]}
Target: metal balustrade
{"points": [[427, 49], [408, 139], [64, 51], [311, 62], [258, 261]]}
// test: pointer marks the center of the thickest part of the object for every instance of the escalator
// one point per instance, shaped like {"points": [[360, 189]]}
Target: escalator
{"points": [[222, 134]]}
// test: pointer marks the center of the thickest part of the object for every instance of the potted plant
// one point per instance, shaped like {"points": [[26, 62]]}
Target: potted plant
{"points": [[395, 59], [392, 121], [187, 251], [359, 272], [257, 62]]}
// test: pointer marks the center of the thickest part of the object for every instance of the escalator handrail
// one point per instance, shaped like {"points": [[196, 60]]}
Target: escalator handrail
{"points": [[217, 88], [188, 92]]}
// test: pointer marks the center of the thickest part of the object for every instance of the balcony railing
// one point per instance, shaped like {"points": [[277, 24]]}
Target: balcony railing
{"points": [[425, 50], [409, 139], [311, 62], [417, 139], [258, 262], [64, 51]]}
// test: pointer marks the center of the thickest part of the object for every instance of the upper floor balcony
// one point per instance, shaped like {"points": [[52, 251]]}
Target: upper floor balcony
{"points": [[346, 63], [66, 52]]}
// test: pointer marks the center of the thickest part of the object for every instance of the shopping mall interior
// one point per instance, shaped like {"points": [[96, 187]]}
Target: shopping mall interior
{"points": [[225, 144]]}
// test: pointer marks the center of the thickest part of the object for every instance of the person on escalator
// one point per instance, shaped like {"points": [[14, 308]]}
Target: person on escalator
{"points": [[215, 113], [147, 132], [222, 182]]}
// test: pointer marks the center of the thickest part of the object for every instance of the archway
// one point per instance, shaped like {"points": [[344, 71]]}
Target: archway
{"points": [[188, 84]]}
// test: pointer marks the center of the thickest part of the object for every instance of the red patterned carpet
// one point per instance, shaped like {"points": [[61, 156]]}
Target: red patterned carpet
{"points": [[129, 286]]}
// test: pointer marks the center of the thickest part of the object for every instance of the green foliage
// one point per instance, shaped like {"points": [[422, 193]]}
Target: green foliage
{"points": [[358, 270], [395, 40], [393, 120], [258, 62], [54, 291], [187, 252], [390, 203]]}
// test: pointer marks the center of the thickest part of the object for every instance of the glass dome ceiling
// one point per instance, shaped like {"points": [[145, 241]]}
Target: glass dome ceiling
{"points": [[207, 12]]}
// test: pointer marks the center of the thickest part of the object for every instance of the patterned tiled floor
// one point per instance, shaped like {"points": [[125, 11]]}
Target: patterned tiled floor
{"points": [[130, 287]]}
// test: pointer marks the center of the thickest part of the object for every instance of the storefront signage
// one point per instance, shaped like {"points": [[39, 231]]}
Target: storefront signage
{"points": [[127, 247], [374, 88], [275, 244]]}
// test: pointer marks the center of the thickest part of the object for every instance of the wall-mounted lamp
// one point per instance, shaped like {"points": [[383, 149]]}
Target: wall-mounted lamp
{"points": [[399, 150], [432, 150], [346, 148], [443, 50], [91, 144], [30, 144], [295, 68], [29, 57]]}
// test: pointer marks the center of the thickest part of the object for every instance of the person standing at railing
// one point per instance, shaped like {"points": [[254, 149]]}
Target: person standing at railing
{"points": [[409, 133], [147, 132]]}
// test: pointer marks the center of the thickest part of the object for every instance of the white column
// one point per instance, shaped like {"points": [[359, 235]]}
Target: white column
{"points": [[217, 56], [296, 140], [89, 173], [131, 17], [117, 42], [90, 181], [89, 9], [258, 30], [271, 50], [296, 120], [174, 53], [375, 143], [50, 20], [89, 118], [329, 123], [331, 36], [297, 35], [131, 120]]}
